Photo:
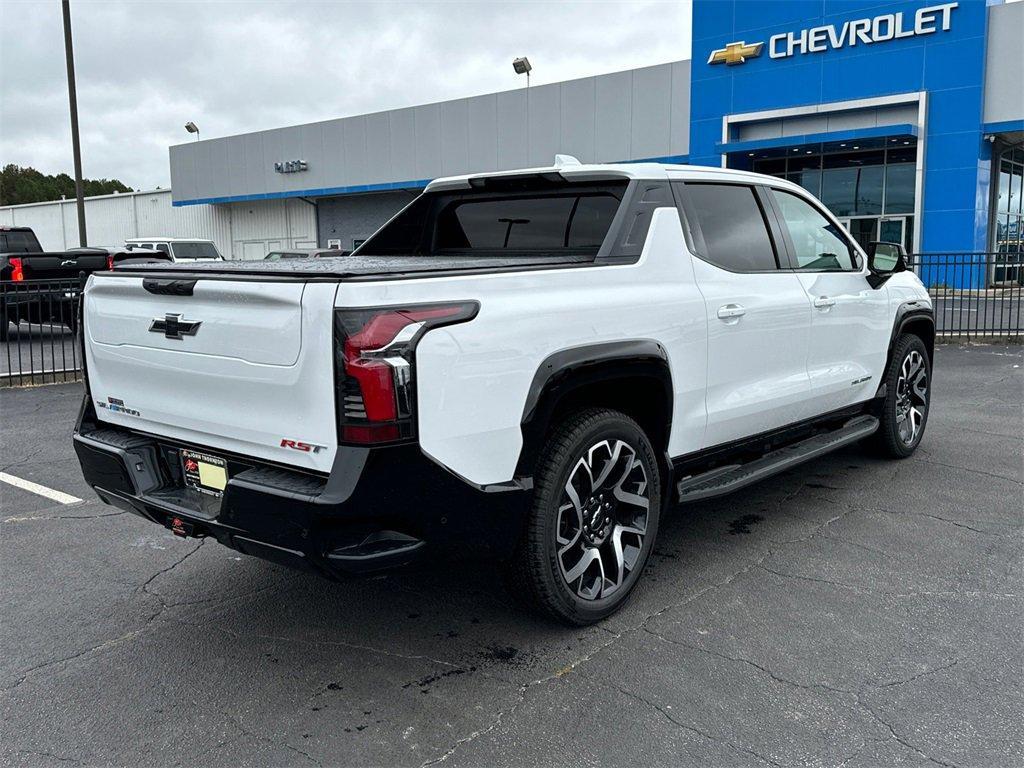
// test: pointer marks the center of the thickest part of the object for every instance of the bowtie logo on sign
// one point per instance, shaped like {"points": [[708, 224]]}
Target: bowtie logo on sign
{"points": [[887, 26], [735, 53]]}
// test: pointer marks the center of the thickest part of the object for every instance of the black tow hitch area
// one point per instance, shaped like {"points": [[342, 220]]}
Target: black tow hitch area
{"points": [[181, 527]]}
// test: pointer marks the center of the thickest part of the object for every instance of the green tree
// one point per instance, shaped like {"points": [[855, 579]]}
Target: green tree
{"points": [[27, 185]]}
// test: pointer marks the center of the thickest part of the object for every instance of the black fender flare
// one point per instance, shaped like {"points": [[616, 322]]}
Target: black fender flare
{"points": [[917, 314], [576, 367]]}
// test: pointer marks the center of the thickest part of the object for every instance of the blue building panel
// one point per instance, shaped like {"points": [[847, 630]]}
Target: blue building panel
{"points": [[915, 47]]}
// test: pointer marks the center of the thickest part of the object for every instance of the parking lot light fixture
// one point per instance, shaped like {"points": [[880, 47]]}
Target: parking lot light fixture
{"points": [[522, 66], [192, 128]]}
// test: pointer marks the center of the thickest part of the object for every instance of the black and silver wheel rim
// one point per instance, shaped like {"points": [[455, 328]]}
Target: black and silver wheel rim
{"points": [[602, 519], [911, 397]]}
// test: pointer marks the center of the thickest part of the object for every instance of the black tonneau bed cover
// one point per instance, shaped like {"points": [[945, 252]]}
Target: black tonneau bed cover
{"points": [[357, 267]]}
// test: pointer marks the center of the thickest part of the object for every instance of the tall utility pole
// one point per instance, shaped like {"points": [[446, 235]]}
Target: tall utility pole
{"points": [[69, 54]]}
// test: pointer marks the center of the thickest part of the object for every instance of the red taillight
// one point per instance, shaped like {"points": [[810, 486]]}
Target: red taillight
{"points": [[110, 261], [17, 270], [375, 366]]}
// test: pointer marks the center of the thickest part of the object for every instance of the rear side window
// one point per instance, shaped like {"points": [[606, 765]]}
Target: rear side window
{"points": [[549, 220], [733, 227], [527, 224], [18, 242], [817, 242]]}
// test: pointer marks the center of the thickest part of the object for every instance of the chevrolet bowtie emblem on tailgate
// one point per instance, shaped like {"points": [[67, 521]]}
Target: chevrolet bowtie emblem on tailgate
{"points": [[735, 53], [173, 327]]}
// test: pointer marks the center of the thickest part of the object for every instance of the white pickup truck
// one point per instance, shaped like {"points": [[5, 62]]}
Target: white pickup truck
{"points": [[532, 364], [178, 248]]}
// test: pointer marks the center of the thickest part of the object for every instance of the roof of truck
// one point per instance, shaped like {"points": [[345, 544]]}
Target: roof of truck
{"points": [[571, 169], [168, 240]]}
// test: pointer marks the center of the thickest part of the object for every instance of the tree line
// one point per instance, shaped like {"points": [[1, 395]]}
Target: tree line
{"points": [[27, 185]]}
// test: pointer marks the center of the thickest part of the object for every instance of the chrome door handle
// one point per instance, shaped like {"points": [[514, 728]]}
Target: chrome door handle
{"points": [[824, 302], [730, 311]]}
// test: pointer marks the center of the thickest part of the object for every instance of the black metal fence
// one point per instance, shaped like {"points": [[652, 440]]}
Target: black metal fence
{"points": [[976, 295], [38, 319]]}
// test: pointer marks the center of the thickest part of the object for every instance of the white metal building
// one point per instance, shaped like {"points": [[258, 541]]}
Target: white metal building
{"points": [[247, 230]]}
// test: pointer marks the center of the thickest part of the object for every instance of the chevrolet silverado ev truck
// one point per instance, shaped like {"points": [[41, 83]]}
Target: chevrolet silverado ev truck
{"points": [[533, 365]]}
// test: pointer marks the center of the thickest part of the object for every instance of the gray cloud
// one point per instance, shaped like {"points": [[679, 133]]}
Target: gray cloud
{"points": [[144, 68]]}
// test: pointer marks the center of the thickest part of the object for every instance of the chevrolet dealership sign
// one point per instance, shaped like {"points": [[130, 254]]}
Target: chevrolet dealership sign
{"points": [[879, 29]]}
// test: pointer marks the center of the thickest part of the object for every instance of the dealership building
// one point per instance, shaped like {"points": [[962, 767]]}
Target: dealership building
{"points": [[905, 118]]}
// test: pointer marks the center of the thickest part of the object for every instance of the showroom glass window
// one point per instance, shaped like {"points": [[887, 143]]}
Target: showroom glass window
{"points": [[1009, 235], [870, 186]]}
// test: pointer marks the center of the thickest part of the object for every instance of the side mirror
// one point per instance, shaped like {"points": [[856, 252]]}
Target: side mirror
{"points": [[885, 260]]}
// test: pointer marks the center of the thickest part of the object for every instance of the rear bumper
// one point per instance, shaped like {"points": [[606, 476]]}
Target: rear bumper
{"points": [[44, 300], [378, 508]]}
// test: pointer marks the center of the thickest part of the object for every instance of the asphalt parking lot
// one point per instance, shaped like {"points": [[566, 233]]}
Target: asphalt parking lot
{"points": [[850, 612]]}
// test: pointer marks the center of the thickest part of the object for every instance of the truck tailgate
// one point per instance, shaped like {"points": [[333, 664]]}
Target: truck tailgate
{"points": [[236, 365]]}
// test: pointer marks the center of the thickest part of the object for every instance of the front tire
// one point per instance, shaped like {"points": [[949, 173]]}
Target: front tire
{"points": [[593, 520], [908, 397]]}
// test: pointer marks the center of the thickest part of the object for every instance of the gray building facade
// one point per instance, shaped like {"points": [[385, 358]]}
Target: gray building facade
{"points": [[901, 120], [360, 170]]}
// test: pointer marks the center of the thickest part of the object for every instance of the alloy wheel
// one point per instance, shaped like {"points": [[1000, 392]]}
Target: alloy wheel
{"points": [[602, 519], [911, 397]]}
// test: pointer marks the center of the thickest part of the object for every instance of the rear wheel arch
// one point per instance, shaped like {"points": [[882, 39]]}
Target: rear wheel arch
{"points": [[632, 377]]}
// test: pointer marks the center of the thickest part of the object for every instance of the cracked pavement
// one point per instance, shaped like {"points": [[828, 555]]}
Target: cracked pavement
{"points": [[851, 612]]}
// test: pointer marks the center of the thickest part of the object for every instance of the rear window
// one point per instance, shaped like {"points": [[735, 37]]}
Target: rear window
{"points": [[188, 251], [553, 218], [19, 242]]}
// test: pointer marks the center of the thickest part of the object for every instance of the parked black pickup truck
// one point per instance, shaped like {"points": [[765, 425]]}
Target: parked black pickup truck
{"points": [[40, 286]]}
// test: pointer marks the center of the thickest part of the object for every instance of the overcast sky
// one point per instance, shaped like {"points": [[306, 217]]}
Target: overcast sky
{"points": [[145, 68]]}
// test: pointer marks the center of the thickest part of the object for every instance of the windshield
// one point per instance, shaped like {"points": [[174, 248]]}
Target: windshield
{"points": [[192, 251], [278, 255], [535, 217]]}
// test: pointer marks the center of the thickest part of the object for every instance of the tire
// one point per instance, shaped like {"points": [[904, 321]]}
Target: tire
{"points": [[905, 409], [567, 564]]}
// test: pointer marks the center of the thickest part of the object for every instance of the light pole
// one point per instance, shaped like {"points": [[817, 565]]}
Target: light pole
{"points": [[522, 67], [76, 148], [192, 128]]}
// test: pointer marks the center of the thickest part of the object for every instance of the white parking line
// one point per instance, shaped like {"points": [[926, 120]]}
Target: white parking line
{"points": [[41, 490]]}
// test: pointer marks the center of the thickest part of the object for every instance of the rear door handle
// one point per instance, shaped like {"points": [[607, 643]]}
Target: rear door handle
{"points": [[824, 302], [730, 311]]}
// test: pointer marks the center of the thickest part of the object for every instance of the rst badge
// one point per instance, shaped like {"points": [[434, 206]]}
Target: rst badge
{"points": [[297, 445]]}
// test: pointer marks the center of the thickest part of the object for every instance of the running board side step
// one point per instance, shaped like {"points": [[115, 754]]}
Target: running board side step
{"points": [[723, 480]]}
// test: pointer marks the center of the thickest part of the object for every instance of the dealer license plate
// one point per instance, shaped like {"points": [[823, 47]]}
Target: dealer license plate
{"points": [[204, 473]]}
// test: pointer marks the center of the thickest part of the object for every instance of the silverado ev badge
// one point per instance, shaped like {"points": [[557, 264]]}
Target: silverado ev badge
{"points": [[173, 327]]}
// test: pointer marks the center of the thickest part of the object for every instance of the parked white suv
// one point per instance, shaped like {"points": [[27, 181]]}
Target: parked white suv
{"points": [[532, 364], [179, 248]]}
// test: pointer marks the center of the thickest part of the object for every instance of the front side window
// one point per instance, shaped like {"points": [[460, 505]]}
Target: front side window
{"points": [[819, 244], [733, 227]]}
